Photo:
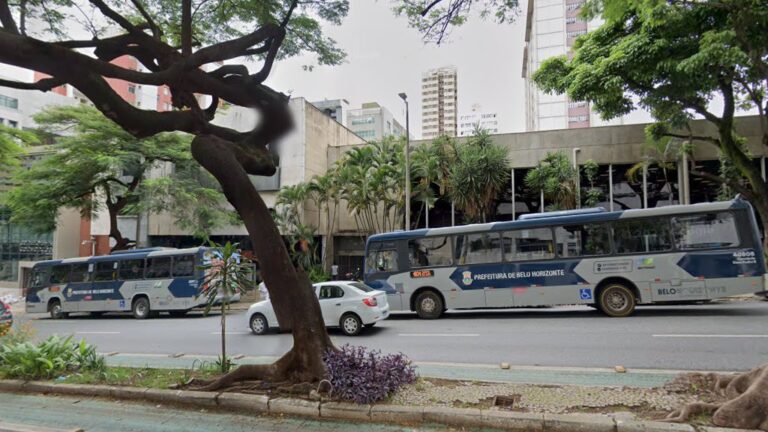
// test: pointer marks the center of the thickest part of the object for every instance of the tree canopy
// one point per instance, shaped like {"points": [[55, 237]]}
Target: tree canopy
{"points": [[95, 165], [12, 143], [679, 60], [436, 18]]}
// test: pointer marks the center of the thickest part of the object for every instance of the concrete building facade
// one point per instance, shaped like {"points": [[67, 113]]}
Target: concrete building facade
{"points": [[477, 118], [373, 122], [439, 102]]}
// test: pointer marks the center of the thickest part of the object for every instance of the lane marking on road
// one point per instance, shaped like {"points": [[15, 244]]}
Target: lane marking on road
{"points": [[439, 334], [97, 332], [230, 333], [755, 336]]}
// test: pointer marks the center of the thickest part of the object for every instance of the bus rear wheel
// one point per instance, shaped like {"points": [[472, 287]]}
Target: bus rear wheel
{"points": [[429, 305], [141, 308], [617, 300], [56, 311]]}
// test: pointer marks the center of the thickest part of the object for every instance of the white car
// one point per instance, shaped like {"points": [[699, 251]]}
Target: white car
{"points": [[349, 305]]}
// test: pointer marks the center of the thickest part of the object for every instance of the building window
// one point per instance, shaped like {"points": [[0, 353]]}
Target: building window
{"points": [[362, 120], [366, 134], [9, 102], [577, 119]]}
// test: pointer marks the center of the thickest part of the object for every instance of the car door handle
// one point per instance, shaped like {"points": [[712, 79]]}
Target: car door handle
{"points": [[338, 304]]}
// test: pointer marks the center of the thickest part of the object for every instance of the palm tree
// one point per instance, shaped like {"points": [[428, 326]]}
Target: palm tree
{"points": [[226, 273], [478, 175], [426, 167], [327, 192], [556, 177]]}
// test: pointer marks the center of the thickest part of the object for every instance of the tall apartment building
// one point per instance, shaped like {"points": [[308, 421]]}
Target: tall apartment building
{"points": [[373, 122], [551, 28], [468, 122], [439, 102]]}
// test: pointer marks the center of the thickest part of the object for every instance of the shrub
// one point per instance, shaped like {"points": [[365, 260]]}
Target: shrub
{"points": [[53, 357], [362, 376]]}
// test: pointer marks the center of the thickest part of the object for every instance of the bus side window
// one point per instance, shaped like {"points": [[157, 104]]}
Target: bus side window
{"points": [[60, 274], [382, 261], [39, 278], [183, 266], [132, 269], [105, 271], [528, 244], [477, 248], [583, 240], [430, 251], [80, 273], [702, 231], [159, 267], [642, 235]]}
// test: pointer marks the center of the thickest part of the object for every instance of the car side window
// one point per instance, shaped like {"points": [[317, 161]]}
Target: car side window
{"points": [[330, 292]]}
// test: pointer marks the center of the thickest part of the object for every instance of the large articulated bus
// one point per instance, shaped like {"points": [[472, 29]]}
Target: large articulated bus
{"points": [[609, 260], [141, 281]]}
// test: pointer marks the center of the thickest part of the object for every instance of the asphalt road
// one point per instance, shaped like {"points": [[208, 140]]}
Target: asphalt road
{"points": [[712, 337]]}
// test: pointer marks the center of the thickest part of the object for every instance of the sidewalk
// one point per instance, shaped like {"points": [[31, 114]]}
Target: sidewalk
{"points": [[596, 377]]}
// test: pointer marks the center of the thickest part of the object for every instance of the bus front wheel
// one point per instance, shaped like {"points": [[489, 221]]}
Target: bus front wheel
{"points": [[429, 305], [56, 311], [616, 300], [141, 308]]}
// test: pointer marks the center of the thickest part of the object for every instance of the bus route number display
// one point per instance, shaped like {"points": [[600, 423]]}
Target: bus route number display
{"points": [[422, 274]]}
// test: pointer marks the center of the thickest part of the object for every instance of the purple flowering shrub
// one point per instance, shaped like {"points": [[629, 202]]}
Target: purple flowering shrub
{"points": [[362, 376]]}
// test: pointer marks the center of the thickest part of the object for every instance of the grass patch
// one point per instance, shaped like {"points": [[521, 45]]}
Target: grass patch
{"points": [[138, 377]]}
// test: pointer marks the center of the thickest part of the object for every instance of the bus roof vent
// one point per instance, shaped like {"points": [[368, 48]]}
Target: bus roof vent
{"points": [[142, 250], [561, 213]]}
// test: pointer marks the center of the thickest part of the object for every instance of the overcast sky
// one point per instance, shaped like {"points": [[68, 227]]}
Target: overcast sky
{"points": [[386, 57]]}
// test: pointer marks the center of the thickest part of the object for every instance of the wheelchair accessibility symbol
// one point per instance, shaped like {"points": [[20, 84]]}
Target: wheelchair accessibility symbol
{"points": [[585, 294]]}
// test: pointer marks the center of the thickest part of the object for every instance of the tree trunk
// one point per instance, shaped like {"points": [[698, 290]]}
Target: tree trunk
{"points": [[224, 368], [121, 243], [293, 299]]}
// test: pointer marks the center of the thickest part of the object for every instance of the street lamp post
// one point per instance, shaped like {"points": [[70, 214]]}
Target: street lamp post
{"points": [[404, 97]]}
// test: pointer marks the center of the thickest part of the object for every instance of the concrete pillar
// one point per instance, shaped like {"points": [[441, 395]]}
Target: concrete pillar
{"points": [[512, 176], [610, 187], [645, 186]]}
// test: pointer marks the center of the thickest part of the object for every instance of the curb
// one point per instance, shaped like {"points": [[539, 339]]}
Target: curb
{"points": [[399, 414]]}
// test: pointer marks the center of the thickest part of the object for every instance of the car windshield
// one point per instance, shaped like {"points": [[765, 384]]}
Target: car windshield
{"points": [[361, 286]]}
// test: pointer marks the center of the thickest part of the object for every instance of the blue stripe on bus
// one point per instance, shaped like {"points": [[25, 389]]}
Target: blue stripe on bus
{"points": [[720, 264], [382, 285], [512, 275], [183, 287]]}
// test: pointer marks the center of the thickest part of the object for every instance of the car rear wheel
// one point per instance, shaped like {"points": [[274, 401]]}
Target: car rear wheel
{"points": [[616, 300], [351, 324], [429, 305], [259, 324]]}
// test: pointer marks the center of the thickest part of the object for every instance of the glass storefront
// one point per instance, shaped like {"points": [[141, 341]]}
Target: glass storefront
{"points": [[20, 244]]}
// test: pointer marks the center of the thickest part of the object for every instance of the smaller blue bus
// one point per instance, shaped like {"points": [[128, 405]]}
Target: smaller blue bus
{"points": [[141, 281]]}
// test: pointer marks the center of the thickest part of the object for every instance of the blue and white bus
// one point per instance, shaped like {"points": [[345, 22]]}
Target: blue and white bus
{"points": [[141, 281], [609, 260]]}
